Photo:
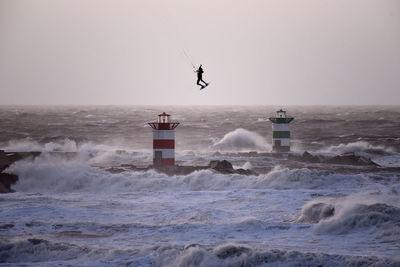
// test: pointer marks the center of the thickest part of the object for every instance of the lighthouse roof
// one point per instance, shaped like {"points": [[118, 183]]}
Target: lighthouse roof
{"points": [[281, 117], [164, 114]]}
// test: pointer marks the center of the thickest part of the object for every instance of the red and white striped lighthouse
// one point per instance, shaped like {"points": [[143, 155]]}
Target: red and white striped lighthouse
{"points": [[163, 140]]}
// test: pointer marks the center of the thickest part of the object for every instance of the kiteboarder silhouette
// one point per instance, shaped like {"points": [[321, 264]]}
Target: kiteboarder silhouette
{"points": [[200, 72]]}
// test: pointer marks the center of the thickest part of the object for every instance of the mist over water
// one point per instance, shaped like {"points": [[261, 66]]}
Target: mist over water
{"points": [[69, 210]]}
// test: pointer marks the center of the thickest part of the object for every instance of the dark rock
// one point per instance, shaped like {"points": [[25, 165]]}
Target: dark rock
{"points": [[351, 159], [4, 189], [15, 156], [225, 167], [4, 161], [343, 159], [222, 166], [6, 180], [306, 157], [36, 241], [6, 226]]}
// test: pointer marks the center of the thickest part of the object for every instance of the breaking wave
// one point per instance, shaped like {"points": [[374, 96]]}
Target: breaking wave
{"points": [[241, 255], [242, 140], [49, 173], [378, 215], [316, 211], [38, 250], [360, 147], [229, 254], [41, 252], [379, 220], [63, 145]]}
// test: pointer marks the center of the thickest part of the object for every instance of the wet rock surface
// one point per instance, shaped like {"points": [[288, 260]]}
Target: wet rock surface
{"points": [[6, 159], [342, 159], [306, 157], [351, 159], [225, 167], [6, 179], [221, 166]]}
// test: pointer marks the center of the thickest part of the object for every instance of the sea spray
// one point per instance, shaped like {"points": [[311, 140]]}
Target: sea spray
{"points": [[64, 145], [360, 147], [242, 140], [377, 214], [53, 173], [71, 212], [230, 254]]}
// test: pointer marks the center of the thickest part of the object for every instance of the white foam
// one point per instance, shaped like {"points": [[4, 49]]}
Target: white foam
{"points": [[242, 140], [115, 157], [38, 250], [359, 146], [230, 254], [65, 145], [377, 213], [247, 165], [92, 116], [49, 173]]}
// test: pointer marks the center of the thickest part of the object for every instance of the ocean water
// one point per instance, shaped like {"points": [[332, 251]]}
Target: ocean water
{"points": [[70, 211]]}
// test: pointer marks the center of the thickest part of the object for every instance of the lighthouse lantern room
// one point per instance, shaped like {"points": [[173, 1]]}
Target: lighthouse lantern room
{"points": [[281, 131], [163, 140]]}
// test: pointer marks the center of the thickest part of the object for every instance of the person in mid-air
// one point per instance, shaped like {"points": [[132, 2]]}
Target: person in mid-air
{"points": [[200, 77]]}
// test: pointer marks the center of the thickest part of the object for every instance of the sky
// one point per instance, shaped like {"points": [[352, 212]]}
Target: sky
{"points": [[255, 52]]}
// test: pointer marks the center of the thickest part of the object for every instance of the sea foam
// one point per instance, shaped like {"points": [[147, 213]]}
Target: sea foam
{"points": [[242, 140], [360, 147], [52, 173]]}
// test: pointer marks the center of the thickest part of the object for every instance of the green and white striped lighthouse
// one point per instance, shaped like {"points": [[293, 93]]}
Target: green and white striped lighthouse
{"points": [[281, 131]]}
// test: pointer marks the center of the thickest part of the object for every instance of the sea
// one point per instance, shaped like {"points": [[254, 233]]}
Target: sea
{"points": [[69, 209]]}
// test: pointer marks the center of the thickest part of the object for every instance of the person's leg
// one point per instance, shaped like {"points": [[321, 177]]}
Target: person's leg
{"points": [[204, 82], [200, 79]]}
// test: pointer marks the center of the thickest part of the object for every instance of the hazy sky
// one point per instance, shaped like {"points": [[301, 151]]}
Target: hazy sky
{"points": [[253, 52]]}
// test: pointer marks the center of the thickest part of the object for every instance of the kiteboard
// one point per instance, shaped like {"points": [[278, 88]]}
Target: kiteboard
{"points": [[204, 86]]}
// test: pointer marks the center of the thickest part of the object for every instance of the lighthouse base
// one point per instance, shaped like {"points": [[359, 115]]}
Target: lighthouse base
{"points": [[281, 144], [160, 162], [281, 149]]}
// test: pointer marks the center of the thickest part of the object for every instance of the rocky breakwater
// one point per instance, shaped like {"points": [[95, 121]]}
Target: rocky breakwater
{"points": [[218, 166], [224, 166], [6, 159], [6, 179], [342, 159]]}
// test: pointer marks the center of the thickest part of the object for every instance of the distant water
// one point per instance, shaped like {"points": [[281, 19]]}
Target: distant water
{"points": [[70, 212]]}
